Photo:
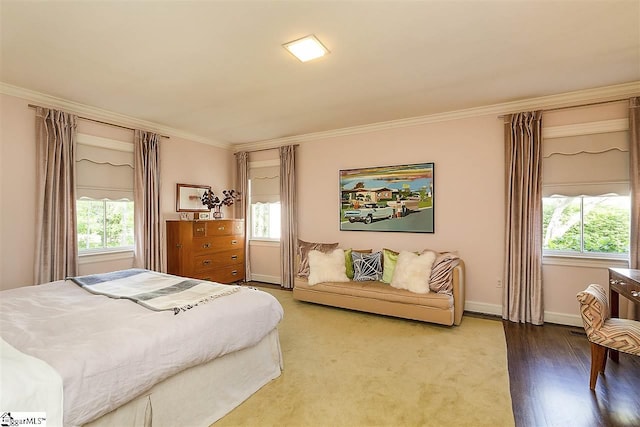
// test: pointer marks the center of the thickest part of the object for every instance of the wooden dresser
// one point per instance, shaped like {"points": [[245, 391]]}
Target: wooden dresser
{"points": [[209, 250]]}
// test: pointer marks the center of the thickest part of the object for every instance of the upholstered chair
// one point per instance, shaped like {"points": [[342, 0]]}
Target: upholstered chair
{"points": [[604, 332]]}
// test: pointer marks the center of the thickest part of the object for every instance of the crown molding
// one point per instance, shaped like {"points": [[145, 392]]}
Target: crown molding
{"points": [[104, 115], [576, 98]]}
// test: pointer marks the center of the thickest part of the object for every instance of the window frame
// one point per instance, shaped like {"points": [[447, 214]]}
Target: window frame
{"points": [[251, 238], [594, 260], [260, 239], [582, 258], [86, 256], [105, 250]]}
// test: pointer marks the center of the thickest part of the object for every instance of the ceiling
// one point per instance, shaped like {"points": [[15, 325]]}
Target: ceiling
{"points": [[216, 69]]}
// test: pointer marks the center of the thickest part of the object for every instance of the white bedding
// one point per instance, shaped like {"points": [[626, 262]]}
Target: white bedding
{"points": [[28, 384], [109, 351]]}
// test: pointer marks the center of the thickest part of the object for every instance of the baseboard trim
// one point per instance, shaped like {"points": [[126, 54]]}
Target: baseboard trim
{"points": [[266, 278], [549, 316], [562, 318], [483, 307]]}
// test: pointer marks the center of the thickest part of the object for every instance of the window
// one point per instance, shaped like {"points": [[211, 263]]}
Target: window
{"points": [[588, 226], [264, 190], [585, 185], [265, 221], [105, 210], [104, 225]]}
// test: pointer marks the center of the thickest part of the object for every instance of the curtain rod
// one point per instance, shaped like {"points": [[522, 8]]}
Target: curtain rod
{"points": [[267, 149], [99, 121], [575, 106]]}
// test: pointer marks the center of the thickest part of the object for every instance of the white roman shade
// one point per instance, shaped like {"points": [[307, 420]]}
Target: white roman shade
{"points": [[586, 165], [104, 168], [265, 184]]}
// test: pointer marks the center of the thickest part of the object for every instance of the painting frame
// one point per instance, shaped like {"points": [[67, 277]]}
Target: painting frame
{"points": [[397, 198], [189, 197]]}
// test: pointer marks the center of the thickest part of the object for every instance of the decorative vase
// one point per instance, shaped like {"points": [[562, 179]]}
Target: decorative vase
{"points": [[217, 214]]}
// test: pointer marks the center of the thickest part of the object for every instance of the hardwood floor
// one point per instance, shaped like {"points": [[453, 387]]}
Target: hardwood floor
{"points": [[549, 374]]}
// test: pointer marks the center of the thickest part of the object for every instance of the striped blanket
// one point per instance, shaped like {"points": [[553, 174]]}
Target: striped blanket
{"points": [[153, 290]]}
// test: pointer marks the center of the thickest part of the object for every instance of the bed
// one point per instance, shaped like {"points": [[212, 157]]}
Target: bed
{"points": [[121, 363]]}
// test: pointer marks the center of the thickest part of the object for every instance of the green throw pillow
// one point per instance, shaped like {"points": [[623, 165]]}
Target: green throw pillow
{"points": [[388, 264], [348, 263]]}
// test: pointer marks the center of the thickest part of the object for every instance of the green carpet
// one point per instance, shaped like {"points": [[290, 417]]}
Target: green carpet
{"points": [[345, 368]]}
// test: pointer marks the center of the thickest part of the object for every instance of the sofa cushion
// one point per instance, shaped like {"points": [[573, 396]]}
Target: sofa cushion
{"points": [[327, 267], [380, 291], [366, 266], [303, 254], [413, 271]]}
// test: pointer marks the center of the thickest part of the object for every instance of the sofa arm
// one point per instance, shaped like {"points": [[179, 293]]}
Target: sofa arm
{"points": [[458, 293]]}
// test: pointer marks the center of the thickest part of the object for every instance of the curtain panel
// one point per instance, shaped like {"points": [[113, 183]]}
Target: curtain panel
{"points": [[289, 214], [242, 207], [148, 230], [56, 232], [634, 181], [522, 297]]}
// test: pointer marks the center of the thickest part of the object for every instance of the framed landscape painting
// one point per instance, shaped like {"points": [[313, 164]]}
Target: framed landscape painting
{"points": [[388, 198]]}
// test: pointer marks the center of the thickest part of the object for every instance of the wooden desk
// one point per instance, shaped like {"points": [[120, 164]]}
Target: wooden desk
{"points": [[625, 282]]}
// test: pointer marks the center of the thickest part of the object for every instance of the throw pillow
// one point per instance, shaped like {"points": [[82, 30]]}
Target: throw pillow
{"points": [[303, 254], [366, 266], [441, 280], [348, 261], [413, 271], [327, 267], [389, 259]]}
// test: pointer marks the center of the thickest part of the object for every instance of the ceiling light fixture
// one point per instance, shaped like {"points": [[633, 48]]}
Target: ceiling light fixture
{"points": [[306, 48]]}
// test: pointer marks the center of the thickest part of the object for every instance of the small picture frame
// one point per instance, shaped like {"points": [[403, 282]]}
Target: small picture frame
{"points": [[204, 215]]}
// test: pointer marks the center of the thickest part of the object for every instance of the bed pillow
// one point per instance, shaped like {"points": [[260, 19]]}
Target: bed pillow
{"points": [[441, 279], [303, 254], [413, 271], [327, 267], [389, 259], [348, 261], [366, 266]]}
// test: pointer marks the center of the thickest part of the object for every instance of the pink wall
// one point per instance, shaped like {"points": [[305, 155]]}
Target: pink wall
{"points": [[181, 161], [469, 192], [17, 194]]}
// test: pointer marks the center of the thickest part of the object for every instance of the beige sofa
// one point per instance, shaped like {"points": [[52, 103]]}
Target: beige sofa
{"points": [[381, 298]]}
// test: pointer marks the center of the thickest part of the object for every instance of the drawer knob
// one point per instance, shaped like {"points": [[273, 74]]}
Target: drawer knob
{"points": [[206, 262], [221, 228], [200, 230], [206, 245], [234, 272], [234, 256], [234, 242]]}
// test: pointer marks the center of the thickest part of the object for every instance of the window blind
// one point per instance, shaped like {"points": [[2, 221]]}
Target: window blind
{"points": [[265, 184], [104, 169], [586, 165]]}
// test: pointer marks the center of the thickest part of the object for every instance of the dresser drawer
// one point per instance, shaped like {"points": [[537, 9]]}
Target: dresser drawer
{"points": [[217, 228], [218, 259], [227, 274], [206, 245]]}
